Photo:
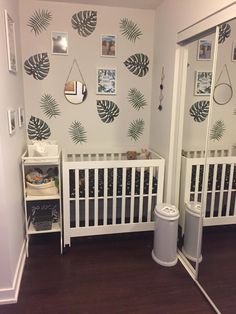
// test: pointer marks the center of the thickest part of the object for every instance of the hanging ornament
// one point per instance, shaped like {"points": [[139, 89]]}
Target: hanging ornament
{"points": [[161, 97]]}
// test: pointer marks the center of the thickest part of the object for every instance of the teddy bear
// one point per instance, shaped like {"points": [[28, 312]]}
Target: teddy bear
{"points": [[131, 155]]}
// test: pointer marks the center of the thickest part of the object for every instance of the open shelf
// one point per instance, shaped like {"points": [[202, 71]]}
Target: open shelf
{"points": [[42, 198], [55, 228]]}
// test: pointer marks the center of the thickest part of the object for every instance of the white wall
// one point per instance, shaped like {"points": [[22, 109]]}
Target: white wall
{"points": [[11, 148], [171, 18], [87, 52]]}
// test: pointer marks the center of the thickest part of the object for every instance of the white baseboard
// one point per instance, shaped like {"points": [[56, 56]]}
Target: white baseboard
{"points": [[10, 295]]}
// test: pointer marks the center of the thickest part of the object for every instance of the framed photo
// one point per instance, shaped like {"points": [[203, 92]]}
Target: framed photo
{"points": [[234, 51], [11, 121], [106, 81], [21, 116], [204, 49], [59, 42], [108, 45], [11, 42], [203, 83]]}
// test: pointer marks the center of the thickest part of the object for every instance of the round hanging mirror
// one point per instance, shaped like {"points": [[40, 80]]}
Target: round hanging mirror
{"points": [[75, 92], [223, 93]]}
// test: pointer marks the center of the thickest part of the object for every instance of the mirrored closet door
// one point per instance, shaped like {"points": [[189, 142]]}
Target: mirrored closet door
{"points": [[199, 62], [217, 272]]}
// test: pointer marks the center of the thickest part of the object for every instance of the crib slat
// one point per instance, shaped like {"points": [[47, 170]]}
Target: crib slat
{"points": [[204, 190], [132, 195], [95, 197], [222, 190], [86, 197], [213, 192], [123, 195], [114, 203], [105, 196], [141, 195], [230, 189], [197, 183], [77, 213], [150, 194]]}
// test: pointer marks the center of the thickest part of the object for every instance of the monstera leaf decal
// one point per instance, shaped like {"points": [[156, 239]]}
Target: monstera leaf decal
{"points": [[38, 66], [49, 106], [85, 22], [224, 32], [77, 132], [199, 110], [129, 29], [136, 129], [217, 130], [38, 129], [138, 64], [39, 21], [107, 110], [136, 99]]}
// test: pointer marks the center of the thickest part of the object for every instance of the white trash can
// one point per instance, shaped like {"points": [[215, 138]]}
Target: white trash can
{"points": [[165, 235], [191, 231]]}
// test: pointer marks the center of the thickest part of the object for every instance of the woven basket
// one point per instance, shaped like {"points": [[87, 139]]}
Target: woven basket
{"points": [[42, 189]]}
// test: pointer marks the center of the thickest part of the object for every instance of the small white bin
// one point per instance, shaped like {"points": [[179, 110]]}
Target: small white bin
{"points": [[165, 235], [191, 231]]}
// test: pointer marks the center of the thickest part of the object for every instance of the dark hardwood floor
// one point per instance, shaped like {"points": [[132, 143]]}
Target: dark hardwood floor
{"points": [[217, 272], [106, 274]]}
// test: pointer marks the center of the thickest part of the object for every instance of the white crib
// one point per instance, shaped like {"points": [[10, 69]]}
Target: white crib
{"points": [[104, 193], [219, 187]]}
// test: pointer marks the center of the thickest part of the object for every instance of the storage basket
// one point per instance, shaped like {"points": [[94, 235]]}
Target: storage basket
{"points": [[42, 189]]}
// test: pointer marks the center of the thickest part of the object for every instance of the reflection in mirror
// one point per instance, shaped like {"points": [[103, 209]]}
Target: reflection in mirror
{"points": [[75, 92], [217, 272], [223, 93], [194, 133]]}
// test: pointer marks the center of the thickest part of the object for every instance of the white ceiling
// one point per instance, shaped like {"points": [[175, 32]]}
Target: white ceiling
{"points": [[138, 4]]}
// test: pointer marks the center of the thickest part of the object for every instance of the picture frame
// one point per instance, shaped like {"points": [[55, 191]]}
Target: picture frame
{"points": [[59, 43], [106, 81], [203, 80], [11, 42], [204, 49], [108, 46], [21, 116], [234, 51], [11, 121]]}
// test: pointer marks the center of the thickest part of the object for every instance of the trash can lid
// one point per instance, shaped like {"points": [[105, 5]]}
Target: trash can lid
{"points": [[194, 207], [167, 210]]}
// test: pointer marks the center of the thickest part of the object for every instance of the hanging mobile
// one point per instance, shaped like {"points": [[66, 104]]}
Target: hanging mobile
{"points": [[161, 97]]}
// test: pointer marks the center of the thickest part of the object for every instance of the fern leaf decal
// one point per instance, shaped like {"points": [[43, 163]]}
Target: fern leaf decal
{"points": [[85, 22], [107, 110], [38, 66], [136, 129], [130, 30], [199, 110], [39, 21], [49, 106], [217, 130], [136, 99], [138, 64], [78, 133], [38, 129]]}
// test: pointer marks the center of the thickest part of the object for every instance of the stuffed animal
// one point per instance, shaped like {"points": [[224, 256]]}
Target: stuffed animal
{"points": [[131, 155], [145, 154]]}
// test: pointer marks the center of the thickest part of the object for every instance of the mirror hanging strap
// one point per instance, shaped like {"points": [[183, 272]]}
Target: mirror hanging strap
{"points": [[75, 63]]}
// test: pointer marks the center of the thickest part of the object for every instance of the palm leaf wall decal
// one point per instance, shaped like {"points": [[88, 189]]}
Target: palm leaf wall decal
{"points": [[38, 129], [138, 64], [136, 129], [78, 133], [84, 22], [107, 110], [199, 110], [130, 29], [224, 32], [136, 99], [217, 131], [38, 66], [49, 106], [39, 21]]}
